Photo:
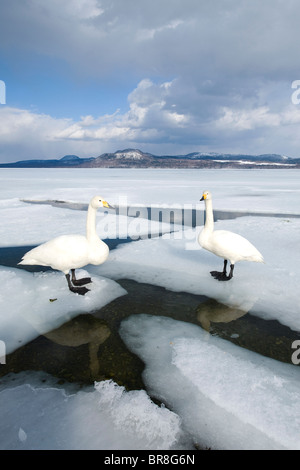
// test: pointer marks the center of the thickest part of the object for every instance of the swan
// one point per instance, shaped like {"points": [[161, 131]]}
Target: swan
{"points": [[69, 252], [228, 245]]}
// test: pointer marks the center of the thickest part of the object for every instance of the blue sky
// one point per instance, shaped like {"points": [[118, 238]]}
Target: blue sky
{"points": [[168, 77]]}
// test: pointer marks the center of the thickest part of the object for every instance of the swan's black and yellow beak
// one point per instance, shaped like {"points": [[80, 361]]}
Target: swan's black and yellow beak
{"points": [[203, 197], [105, 204]]}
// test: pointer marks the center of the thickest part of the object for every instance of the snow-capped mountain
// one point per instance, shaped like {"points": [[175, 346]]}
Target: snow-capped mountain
{"points": [[135, 158]]}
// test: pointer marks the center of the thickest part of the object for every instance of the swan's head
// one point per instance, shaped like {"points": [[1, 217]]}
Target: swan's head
{"points": [[206, 196], [98, 201]]}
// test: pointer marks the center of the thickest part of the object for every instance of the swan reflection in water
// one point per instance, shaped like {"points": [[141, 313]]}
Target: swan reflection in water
{"points": [[213, 311], [82, 330]]}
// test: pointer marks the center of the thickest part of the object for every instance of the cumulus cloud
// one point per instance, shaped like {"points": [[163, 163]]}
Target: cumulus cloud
{"points": [[18, 124], [248, 119]]}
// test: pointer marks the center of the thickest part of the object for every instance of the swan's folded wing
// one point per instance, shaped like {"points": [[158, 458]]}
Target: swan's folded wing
{"points": [[234, 247]]}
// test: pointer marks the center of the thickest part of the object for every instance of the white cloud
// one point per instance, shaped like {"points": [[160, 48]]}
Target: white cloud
{"points": [[145, 34], [248, 119], [22, 124], [260, 117]]}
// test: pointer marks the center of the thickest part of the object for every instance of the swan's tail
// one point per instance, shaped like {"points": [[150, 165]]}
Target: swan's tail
{"points": [[259, 258], [255, 256], [28, 261]]}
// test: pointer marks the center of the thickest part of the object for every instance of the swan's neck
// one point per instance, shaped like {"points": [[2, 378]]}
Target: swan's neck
{"points": [[209, 216], [91, 233]]}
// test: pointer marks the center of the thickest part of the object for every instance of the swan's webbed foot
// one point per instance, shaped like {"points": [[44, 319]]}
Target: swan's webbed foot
{"points": [[219, 275], [79, 282], [79, 290], [82, 282], [222, 275], [76, 290]]}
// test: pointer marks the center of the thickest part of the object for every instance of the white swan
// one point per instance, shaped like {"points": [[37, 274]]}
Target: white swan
{"points": [[69, 252], [227, 245]]}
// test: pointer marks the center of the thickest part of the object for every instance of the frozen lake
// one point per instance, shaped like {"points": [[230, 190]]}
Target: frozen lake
{"points": [[158, 355]]}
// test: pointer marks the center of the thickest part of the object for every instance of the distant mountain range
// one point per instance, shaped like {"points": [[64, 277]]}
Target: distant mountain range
{"points": [[66, 162], [133, 158]]}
